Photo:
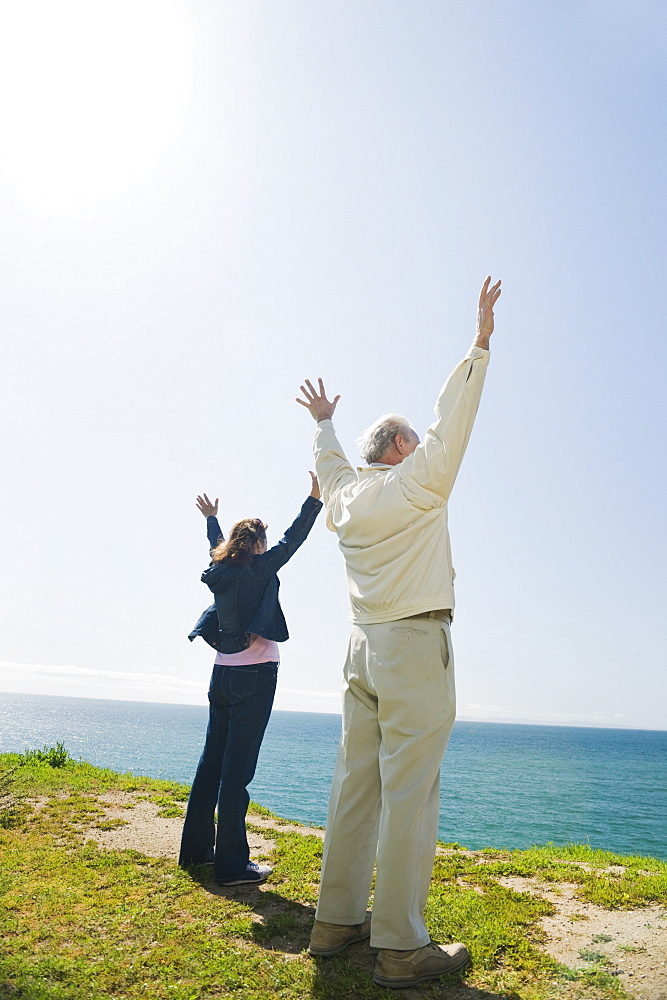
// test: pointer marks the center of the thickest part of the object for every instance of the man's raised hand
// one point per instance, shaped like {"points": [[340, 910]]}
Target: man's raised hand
{"points": [[487, 299], [207, 508], [316, 402]]}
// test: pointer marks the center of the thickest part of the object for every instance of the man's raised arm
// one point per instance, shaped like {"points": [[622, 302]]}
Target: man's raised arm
{"points": [[333, 468], [435, 463]]}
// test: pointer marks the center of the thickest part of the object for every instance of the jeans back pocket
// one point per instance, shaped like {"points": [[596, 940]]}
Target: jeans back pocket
{"points": [[242, 681]]}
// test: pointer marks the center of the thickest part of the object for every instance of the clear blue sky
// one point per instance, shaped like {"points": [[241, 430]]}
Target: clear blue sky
{"points": [[202, 204]]}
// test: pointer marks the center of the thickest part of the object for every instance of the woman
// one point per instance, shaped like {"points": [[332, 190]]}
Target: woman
{"points": [[244, 625]]}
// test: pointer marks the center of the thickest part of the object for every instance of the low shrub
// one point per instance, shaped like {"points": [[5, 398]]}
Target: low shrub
{"points": [[56, 756]]}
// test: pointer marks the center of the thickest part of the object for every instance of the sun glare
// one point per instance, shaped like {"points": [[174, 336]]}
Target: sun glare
{"points": [[91, 94]]}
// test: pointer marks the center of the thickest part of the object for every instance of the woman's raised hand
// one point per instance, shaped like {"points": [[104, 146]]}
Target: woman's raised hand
{"points": [[207, 508], [315, 486]]}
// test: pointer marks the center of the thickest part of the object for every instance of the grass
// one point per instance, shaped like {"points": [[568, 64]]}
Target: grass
{"points": [[594, 957], [78, 921], [601, 877], [10, 799]]}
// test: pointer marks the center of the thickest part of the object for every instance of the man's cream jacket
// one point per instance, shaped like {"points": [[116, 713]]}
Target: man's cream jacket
{"points": [[391, 521]]}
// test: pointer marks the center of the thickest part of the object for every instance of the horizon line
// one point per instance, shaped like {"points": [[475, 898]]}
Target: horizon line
{"points": [[463, 717]]}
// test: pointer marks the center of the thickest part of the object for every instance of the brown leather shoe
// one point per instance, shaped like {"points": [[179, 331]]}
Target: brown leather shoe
{"points": [[331, 939], [400, 969]]}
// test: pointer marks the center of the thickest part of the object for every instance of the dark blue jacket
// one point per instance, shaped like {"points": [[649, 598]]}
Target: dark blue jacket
{"points": [[246, 597]]}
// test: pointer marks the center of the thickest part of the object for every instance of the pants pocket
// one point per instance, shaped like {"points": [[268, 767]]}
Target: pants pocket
{"points": [[444, 646], [242, 683]]}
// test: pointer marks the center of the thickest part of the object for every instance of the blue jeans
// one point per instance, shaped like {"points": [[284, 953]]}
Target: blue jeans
{"points": [[240, 702]]}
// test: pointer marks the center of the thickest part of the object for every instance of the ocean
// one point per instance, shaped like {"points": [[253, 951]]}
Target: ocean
{"points": [[502, 785]]}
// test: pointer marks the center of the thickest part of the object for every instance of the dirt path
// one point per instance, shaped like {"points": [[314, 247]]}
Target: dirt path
{"points": [[633, 941]]}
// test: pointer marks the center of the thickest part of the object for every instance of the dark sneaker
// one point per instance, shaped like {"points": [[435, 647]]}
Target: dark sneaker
{"points": [[253, 875], [330, 939], [400, 969]]}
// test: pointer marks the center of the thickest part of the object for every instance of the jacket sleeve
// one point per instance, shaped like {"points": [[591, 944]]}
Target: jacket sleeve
{"points": [[271, 561], [332, 467], [428, 475], [213, 532]]}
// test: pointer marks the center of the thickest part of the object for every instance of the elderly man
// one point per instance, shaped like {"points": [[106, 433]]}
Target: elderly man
{"points": [[399, 698]]}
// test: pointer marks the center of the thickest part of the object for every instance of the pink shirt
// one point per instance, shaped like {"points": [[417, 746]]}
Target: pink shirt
{"points": [[260, 650]]}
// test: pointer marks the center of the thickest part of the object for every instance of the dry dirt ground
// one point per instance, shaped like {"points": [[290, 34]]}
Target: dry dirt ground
{"points": [[634, 941]]}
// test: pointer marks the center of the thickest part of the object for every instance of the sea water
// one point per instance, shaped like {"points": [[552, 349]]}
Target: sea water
{"points": [[502, 785]]}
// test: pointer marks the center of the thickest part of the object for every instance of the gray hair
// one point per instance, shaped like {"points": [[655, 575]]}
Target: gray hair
{"points": [[379, 436]]}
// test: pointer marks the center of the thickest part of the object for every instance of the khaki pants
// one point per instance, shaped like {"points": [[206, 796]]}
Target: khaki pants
{"points": [[398, 712]]}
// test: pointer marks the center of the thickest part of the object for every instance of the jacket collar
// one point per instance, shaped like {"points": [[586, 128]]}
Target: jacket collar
{"points": [[371, 469]]}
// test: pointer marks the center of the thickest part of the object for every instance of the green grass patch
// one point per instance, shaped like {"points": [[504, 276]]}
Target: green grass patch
{"points": [[592, 956], [168, 807], [610, 880], [12, 806], [111, 824], [78, 921], [39, 777]]}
